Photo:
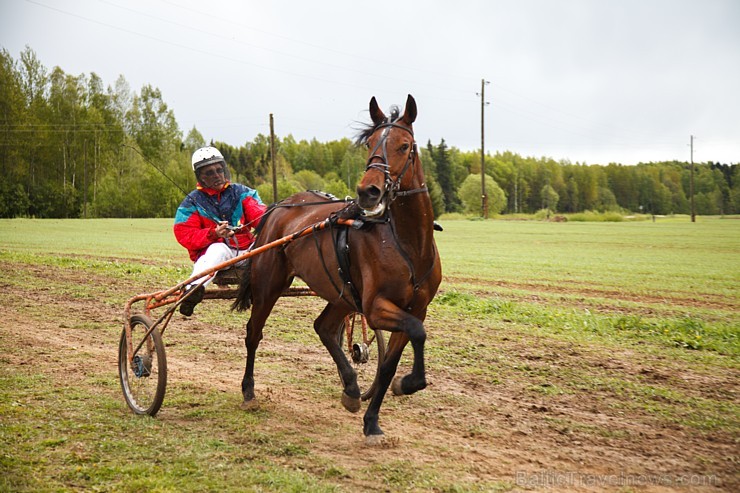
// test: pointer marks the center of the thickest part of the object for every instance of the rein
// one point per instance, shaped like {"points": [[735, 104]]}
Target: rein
{"points": [[331, 199]]}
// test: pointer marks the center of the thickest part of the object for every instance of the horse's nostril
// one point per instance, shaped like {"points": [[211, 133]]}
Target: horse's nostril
{"points": [[370, 192], [369, 196], [373, 192]]}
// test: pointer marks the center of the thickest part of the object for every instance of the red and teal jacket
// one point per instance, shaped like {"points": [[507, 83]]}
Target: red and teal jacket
{"points": [[203, 208]]}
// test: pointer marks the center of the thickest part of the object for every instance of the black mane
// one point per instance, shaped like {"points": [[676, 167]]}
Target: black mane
{"points": [[369, 128]]}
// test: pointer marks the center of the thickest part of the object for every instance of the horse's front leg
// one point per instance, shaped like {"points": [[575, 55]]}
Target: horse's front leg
{"points": [[327, 326], [371, 428], [416, 380], [405, 327]]}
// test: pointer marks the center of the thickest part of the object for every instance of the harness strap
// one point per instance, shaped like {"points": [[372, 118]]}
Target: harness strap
{"points": [[429, 272], [341, 246], [323, 264], [405, 193], [341, 250], [414, 282]]}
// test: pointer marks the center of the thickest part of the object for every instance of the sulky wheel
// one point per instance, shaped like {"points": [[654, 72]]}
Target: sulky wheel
{"points": [[365, 348], [144, 379]]}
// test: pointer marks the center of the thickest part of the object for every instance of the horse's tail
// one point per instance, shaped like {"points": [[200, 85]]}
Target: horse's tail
{"points": [[244, 296]]}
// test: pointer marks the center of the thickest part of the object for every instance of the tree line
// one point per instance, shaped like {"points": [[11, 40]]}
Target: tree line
{"points": [[72, 147]]}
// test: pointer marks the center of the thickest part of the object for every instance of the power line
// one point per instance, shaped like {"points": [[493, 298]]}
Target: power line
{"points": [[405, 66], [439, 92], [8, 126], [242, 61]]}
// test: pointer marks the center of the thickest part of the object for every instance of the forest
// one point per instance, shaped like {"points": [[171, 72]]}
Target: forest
{"points": [[73, 147]]}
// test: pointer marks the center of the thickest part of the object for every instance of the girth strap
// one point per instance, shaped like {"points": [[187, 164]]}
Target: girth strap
{"points": [[341, 245], [339, 237]]}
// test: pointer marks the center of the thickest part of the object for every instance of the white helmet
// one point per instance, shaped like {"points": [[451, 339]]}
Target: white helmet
{"points": [[205, 156]]}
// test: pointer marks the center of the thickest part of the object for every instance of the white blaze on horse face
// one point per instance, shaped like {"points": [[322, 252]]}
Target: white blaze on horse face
{"points": [[379, 209]]}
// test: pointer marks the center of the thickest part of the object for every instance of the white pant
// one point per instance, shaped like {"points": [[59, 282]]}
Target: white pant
{"points": [[216, 253]]}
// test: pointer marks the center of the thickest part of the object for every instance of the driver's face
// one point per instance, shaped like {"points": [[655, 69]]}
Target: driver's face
{"points": [[213, 176]]}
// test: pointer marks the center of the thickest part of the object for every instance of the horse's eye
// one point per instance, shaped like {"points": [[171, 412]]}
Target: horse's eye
{"points": [[404, 148], [367, 145]]}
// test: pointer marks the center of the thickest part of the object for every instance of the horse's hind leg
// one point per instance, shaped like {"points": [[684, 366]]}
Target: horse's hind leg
{"points": [[327, 326], [260, 311], [251, 341]]}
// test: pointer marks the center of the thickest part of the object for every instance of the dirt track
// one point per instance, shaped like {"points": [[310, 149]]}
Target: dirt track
{"points": [[463, 425]]}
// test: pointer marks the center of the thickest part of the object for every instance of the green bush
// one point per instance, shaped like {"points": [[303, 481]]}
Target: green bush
{"points": [[591, 216], [470, 194], [543, 214]]}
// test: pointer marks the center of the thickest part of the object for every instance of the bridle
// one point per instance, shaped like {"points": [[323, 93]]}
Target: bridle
{"points": [[393, 190], [392, 186]]}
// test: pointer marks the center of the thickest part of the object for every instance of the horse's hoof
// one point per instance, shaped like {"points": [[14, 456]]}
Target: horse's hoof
{"points": [[374, 440], [396, 386], [250, 405], [351, 404]]}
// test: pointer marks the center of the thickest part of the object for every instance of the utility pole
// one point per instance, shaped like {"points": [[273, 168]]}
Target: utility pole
{"points": [[272, 158], [691, 182], [483, 103], [84, 189]]}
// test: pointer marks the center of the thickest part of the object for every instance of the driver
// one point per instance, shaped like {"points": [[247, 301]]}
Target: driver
{"points": [[214, 221]]}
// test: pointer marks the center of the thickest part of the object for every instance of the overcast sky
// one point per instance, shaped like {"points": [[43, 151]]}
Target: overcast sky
{"points": [[591, 81]]}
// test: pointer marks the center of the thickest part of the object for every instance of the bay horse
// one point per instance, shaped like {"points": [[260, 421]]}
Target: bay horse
{"points": [[393, 268]]}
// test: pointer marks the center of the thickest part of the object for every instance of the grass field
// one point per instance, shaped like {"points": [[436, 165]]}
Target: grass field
{"points": [[596, 348]]}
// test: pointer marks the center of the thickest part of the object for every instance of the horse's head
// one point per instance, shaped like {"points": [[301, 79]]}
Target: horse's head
{"points": [[392, 153]]}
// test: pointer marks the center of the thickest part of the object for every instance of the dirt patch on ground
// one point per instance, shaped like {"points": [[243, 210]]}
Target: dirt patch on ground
{"points": [[573, 289], [519, 430]]}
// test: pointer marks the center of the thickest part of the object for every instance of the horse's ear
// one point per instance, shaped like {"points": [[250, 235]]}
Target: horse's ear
{"points": [[375, 112], [409, 114]]}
